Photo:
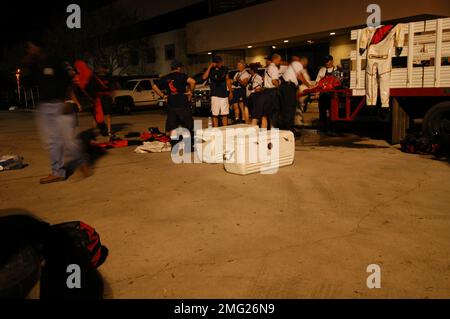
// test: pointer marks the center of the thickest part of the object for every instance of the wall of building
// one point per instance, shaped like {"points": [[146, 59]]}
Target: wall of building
{"points": [[341, 47], [257, 55], [280, 19], [157, 42], [149, 9]]}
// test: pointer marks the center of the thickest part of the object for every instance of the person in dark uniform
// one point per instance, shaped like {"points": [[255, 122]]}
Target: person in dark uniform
{"points": [[103, 93], [221, 90], [177, 87], [254, 90], [239, 101], [325, 98]]}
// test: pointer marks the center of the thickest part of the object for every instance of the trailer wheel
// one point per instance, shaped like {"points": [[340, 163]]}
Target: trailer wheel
{"points": [[437, 119]]}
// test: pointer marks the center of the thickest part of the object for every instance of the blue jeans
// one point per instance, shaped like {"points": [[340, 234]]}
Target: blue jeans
{"points": [[58, 135]]}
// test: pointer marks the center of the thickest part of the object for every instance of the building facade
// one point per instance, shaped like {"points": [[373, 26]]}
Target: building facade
{"points": [[258, 28]]}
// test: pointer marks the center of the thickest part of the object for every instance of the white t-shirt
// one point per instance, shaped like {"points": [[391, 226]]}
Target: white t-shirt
{"points": [[241, 76], [323, 71], [308, 80], [272, 73], [292, 72], [255, 81], [282, 68]]}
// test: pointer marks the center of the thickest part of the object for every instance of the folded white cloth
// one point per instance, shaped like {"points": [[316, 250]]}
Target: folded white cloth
{"points": [[153, 147]]}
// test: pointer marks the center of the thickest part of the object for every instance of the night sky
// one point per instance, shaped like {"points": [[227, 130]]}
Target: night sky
{"points": [[19, 19]]}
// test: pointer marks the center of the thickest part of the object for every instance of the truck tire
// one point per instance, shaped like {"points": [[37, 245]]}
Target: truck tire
{"points": [[437, 119]]}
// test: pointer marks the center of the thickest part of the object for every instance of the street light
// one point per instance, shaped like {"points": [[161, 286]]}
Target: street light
{"points": [[18, 83]]}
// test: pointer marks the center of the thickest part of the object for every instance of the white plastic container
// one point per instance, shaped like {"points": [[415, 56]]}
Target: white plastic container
{"points": [[264, 154], [213, 143]]}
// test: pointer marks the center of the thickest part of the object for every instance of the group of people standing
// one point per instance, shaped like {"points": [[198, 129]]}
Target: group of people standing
{"points": [[269, 101]]}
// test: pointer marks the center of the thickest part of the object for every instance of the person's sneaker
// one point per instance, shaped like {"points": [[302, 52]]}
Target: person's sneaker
{"points": [[51, 179]]}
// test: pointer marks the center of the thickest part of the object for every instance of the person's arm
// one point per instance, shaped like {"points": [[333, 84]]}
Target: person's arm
{"points": [[275, 76], [244, 81], [303, 80], [319, 75], [206, 74], [191, 88], [259, 85], [158, 91], [276, 82], [74, 98], [229, 86]]}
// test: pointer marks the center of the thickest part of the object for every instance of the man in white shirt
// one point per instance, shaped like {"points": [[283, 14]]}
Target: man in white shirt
{"points": [[288, 91], [269, 111], [328, 69], [272, 74]]}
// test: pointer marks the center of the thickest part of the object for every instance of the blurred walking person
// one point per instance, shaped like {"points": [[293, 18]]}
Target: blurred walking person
{"points": [[306, 84], [56, 121], [289, 87]]}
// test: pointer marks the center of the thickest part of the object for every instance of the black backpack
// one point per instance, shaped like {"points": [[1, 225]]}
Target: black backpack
{"points": [[86, 241], [72, 243]]}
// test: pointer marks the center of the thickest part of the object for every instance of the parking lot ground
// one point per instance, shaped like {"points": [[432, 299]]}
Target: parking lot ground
{"points": [[195, 231]]}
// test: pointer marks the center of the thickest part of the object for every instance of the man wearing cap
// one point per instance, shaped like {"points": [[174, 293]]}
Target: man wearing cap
{"points": [[177, 87], [221, 90], [325, 98]]}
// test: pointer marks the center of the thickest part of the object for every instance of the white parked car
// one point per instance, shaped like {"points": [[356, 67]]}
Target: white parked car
{"points": [[137, 93]]}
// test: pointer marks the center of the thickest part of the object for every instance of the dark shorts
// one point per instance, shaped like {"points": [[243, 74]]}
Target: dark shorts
{"points": [[239, 95], [178, 101], [263, 104], [179, 116], [107, 103]]}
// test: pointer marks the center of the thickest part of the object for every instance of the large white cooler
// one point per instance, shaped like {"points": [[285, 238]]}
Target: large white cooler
{"points": [[212, 143], [264, 154]]}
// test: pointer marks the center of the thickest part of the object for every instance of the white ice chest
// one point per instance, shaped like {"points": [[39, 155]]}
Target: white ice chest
{"points": [[210, 148], [278, 154]]}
